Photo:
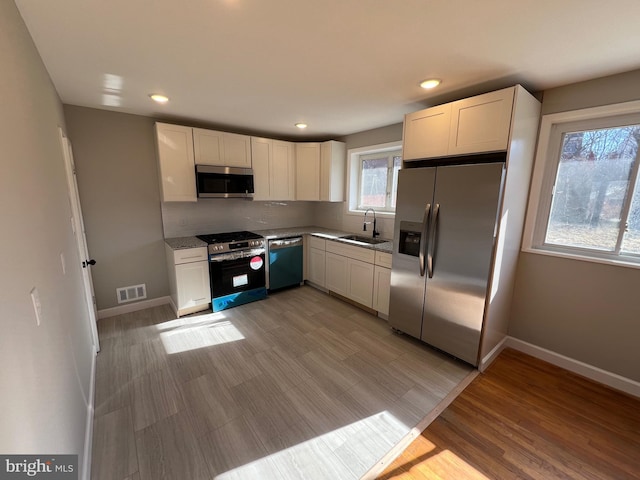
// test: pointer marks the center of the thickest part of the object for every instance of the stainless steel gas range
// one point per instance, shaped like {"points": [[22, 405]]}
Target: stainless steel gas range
{"points": [[236, 268]]}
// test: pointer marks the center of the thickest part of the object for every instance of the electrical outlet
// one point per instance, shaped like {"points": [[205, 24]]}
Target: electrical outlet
{"points": [[37, 306]]}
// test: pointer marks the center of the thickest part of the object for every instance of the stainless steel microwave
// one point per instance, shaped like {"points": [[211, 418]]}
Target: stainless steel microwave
{"points": [[224, 182]]}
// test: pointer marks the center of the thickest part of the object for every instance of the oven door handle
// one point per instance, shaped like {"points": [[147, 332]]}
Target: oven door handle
{"points": [[222, 257]]}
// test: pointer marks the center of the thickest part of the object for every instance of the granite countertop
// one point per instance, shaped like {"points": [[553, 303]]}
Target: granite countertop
{"points": [[178, 243]]}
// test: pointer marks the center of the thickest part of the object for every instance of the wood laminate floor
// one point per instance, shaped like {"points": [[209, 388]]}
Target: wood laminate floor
{"points": [[298, 386], [526, 419]]}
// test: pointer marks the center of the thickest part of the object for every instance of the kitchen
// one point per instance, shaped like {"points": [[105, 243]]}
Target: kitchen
{"points": [[115, 154]]}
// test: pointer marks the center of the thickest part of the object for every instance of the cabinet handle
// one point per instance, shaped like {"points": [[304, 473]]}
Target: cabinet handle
{"points": [[198, 299]]}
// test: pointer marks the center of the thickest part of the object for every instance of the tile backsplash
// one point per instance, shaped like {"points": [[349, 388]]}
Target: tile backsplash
{"points": [[231, 214], [227, 215]]}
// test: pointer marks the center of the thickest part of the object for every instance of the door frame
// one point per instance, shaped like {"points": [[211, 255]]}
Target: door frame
{"points": [[77, 225]]}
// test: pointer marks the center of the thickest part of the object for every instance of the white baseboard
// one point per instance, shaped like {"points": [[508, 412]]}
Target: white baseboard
{"points": [[596, 374], [132, 307], [88, 434], [492, 355]]}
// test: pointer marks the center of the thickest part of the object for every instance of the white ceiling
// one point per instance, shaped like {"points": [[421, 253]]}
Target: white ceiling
{"points": [[342, 66]]}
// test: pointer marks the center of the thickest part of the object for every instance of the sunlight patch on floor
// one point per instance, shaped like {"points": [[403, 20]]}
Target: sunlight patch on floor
{"points": [[203, 331], [354, 448]]}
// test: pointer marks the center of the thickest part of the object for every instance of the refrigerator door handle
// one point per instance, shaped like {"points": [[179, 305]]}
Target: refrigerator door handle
{"points": [[432, 240], [423, 237]]}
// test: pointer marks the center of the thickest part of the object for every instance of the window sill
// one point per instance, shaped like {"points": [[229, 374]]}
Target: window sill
{"points": [[360, 213], [584, 258]]}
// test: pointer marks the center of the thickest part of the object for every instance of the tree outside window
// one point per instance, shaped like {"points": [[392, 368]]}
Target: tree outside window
{"points": [[378, 174], [596, 195]]}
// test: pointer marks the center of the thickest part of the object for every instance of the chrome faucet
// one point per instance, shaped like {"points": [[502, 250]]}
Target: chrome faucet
{"points": [[364, 226]]}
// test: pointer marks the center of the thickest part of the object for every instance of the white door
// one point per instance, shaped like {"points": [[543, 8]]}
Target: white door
{"points": [[77, 224]]}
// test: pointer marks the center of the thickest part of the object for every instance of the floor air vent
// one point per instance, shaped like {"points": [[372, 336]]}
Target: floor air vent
{"points": [[129, 294]]}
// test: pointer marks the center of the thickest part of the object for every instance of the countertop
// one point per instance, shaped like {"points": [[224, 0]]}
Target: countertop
{"points": [[178, 243]]}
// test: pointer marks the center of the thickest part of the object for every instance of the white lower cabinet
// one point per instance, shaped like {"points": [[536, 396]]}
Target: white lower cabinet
{"points": [[359, 274], [381, 289], [350, 272], [316, 266], [360, 282], [336, 273], [188, 279]]}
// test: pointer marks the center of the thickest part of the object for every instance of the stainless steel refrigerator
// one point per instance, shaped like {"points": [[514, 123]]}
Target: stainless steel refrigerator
{"points": [[444, 235]]}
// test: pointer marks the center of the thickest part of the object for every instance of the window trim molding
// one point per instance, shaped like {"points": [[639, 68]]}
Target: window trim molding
{"points": [[539, 193], [353, 154]]}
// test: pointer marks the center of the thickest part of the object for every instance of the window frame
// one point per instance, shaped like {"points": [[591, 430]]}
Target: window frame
{"points": [[545, 171], [362, 157], [354, 167]]}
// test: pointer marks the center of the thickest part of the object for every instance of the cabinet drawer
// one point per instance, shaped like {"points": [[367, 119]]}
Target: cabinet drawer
{"points": [[383, 259], [315, 242], [188, 255], [357, 253]]}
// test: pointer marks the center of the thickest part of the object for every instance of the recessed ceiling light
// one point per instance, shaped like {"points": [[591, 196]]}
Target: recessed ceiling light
{"points": [[430, 83], [157, 97], [301, 126]]}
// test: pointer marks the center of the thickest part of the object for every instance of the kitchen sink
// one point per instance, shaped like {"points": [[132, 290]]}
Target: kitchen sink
{"points": [[363, 239]]}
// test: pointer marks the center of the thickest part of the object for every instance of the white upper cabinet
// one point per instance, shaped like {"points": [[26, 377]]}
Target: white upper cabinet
{"points": [[261, 153], [273, 169], [332, 170], [307, 171], [481, 123], [207, 146], [320, 171], [282, 171], [176, 165], [474, 125], [426, 133], [221, 148]]}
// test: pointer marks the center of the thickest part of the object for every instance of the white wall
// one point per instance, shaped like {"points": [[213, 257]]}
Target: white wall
{"points": [[586, 311], [45, 373], [118, 181], [334, 215]]}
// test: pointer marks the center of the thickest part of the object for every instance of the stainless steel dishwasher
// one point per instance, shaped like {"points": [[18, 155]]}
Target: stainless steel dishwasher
{"points": [[285, 262]]}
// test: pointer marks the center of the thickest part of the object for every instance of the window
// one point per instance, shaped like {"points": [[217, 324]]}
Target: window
{"points": [[589, 203], [379, 180], [373, 178]]}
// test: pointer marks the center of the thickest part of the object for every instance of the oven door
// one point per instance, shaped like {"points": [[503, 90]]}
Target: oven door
{"points": [[237, 271]]}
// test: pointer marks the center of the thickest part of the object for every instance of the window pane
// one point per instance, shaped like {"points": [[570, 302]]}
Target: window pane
{"points": [[631, 239], [397, 165], [373, 190], [591, 186]]}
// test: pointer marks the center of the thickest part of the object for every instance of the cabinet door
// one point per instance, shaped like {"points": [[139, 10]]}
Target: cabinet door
{"points": [[261, 155], [381, 289], [481, 124], [426, 133], [316, 266], [176, 163], [192, 281], [307, 171], [336, 274], [236, 150], [207, 146], [332, 171], [360, 282], [282, 175]]}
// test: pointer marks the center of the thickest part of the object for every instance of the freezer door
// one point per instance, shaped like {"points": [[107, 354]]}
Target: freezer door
{"points": [[415, 192], [466, 200]]}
